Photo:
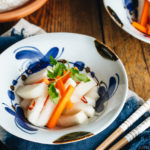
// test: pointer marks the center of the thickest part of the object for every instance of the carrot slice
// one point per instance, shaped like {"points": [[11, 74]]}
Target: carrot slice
{"points": [[61, 88], [60, 107], [66, 76], [144, 16], [139, 27]]}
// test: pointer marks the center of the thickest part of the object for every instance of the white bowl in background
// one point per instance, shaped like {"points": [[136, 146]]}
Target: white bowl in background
{"points": [[119, 12]]}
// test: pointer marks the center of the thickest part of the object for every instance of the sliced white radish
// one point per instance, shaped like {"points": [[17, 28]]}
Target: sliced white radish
{"points": [[46, 113], [25, 104], [35, 108], [71, 120], [80, 106], [88, 100], [70, 82], [35, 77], [82, 88], [93, 93], [32, 91], [75, 98]]}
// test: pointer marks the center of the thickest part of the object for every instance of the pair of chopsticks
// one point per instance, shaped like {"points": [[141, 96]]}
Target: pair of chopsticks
{"points": [[124, 126]]}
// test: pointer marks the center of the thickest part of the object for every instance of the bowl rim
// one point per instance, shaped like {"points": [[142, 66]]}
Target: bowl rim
{"points": [[120, 107]]}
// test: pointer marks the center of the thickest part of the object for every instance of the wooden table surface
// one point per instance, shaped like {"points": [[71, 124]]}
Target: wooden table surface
{"points": [[89, 17]]}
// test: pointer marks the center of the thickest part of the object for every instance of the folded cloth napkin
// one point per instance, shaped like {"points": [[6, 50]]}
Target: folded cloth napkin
{"points": [[24, 29]]}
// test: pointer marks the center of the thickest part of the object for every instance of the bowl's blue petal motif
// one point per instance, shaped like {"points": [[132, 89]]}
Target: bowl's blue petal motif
{"points": [[21, 121], [113, 85], [10, 111], [26, 54], [52, 52], [128, 4], [11, 95], [79, 64], [14, 82], [132, 9], [106, 92]]}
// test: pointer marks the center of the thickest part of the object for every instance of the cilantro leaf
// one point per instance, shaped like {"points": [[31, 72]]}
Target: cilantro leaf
{"points": [[50, 74], [58, 69], [52, 61], [82, 77], [54, 96], [76, 76]]}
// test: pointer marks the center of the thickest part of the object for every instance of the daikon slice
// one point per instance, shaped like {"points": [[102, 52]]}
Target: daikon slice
{"points": [[32, 91], [80, 106], [71, 120], [82, 88], [25, 104], [46, 113], [70, 82], [88, 100], [93, 93], [35, 77], [35, 108]]}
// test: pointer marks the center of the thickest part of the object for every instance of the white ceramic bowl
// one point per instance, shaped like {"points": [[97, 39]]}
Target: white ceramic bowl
{"points": [[79, 49], [119, 12]]}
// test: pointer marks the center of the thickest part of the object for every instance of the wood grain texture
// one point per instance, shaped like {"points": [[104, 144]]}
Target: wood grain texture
{"points": [[89, 17], [78, 16]]}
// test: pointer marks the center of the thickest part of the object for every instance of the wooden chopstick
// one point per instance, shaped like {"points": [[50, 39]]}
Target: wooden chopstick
{"points": [[131, 135], [125, 125]]}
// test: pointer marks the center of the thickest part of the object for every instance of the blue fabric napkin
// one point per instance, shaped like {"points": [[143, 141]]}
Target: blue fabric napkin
{"points": [[6, 41], [140, 142]]}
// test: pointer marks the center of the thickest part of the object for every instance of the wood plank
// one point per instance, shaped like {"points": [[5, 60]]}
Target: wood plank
{"points": [[77, 16], [134, 54]]}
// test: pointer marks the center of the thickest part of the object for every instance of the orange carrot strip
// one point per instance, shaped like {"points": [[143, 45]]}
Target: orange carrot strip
{"points": [[139, 27], [60, 107], [44, 80], [61, 88], [144, 15], [66, 76], [148, 31]]}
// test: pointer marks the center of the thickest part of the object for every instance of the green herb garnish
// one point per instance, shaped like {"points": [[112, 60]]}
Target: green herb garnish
{"points": [[77, 76], [52, 61], [54, 95], [58, 70]]}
